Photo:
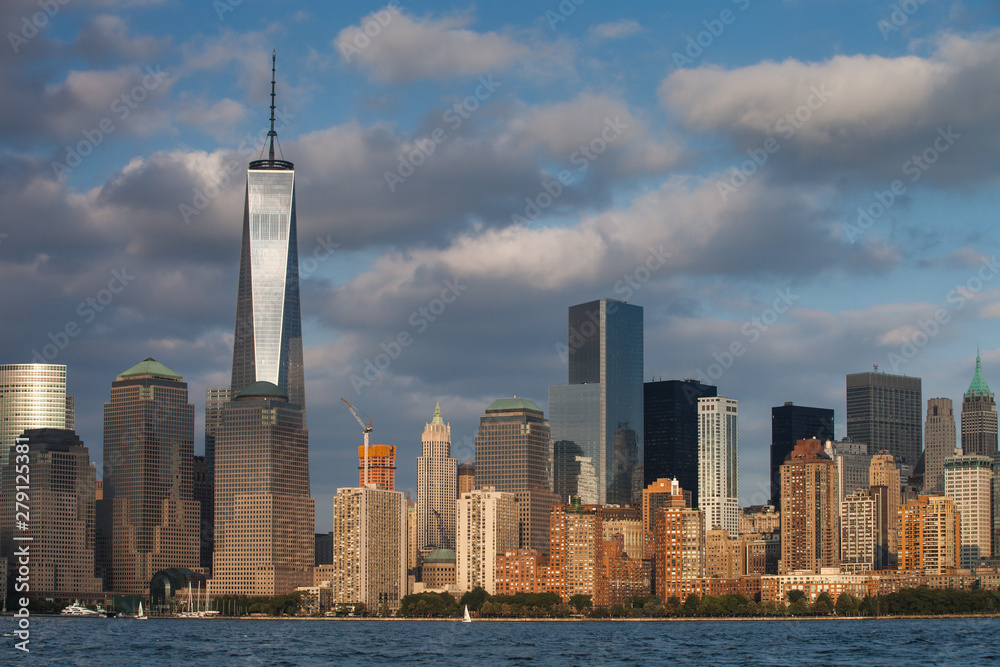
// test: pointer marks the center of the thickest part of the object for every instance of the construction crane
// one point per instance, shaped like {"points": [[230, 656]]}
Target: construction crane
{"points": [[368, 429]]}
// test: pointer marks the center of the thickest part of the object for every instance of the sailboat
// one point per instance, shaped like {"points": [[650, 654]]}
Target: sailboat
{"points": [[467, 618], [141, 615]]}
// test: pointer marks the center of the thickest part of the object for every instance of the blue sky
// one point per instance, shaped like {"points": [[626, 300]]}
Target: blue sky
{"points": [[739, 138]]}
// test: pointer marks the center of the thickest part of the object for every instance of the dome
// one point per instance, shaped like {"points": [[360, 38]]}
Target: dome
{"points": [[440, 556], [261, 390]]}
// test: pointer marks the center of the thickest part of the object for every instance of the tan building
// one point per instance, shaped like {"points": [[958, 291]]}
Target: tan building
{"points": [[939, 441], [411, 534], [436, 482], [680, 545], [810, 537], [60, 533], [968, 480], [859, 545], [264, 518], [575, 537], [723, 556], [759, 520], [761, 553], [466, 477], [148, 522], [883, 472], [369, 547], [929, 535], [486, 528], [627, 522]]}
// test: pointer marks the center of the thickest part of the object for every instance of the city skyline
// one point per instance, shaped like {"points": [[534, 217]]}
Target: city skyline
{"points": [[445, 275]]}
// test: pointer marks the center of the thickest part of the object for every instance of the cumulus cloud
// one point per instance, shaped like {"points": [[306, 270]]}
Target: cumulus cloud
{"points": [[614, 30]]}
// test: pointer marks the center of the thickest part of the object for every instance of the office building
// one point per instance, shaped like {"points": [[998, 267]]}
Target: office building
{"points": [[264, 517], [789, 424], [939, 441], [32, 396], [599, 410], [979, 416], [487, 527], [884, 412], [215, 399], [514, 455], [573, 474], [718, 463], [381, 466], [436, 485], [204, 495], [61, 531], [853, 463], [810, 538], [369, 548], [267, 344], [883, 474], [929, 535], [324, 549], [968, 479], [670, 418]]}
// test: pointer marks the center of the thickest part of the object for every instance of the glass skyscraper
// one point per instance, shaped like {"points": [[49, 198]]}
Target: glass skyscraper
{"points": [[600, 409], [268, 339], [884, 411], [789, 424]]}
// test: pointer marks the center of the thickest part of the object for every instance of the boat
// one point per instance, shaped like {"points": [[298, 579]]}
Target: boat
{"points": [[467, 618], [141, 616], [77, 609]]}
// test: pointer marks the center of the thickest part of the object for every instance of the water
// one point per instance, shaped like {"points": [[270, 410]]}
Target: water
{"points": [[193, 642]]}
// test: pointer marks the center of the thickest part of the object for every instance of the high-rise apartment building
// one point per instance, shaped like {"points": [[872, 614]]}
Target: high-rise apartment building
{"points": [[369, 548], [625, 522], [264, 517], [576, 537], [670, 418], [789, 424], [32, 396], [679, 544], [148, 520], [853, 464], [968, 479], [979, 416], [718, 463], [466, 477], [929, 535], [267, 345], [436, 485], [60, 532], [884, 411], [486, 528], [810, 538], [514, 455], [939, 441], [883, 473], [723, 555], [381, 466], [859, 536], [598, 413]]}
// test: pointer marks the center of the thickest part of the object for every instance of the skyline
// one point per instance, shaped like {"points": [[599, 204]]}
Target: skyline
{"points": [[623, 150]]}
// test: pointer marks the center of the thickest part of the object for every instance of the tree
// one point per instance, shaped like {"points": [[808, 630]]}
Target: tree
{"points": [[847, 605], [795, 596], [823, 606], [692, 605], [581, 601], [474, 598]]}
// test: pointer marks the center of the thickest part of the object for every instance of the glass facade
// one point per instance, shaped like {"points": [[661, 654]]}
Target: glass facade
{"points": [[575, 414], [268, 338], [606, 351], [790, 422], [32, 396]]}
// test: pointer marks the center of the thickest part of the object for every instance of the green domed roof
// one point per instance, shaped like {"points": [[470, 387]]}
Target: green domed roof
{"points": [[978, 386], [507, 404], [261, 390], [150, 366], [440, 556]]}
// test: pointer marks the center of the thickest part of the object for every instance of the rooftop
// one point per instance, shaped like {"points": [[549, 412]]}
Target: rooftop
{"points": [[150, 366], [261, 390], [512, 404]]}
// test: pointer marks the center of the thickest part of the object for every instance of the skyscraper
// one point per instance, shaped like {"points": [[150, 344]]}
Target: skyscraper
{"points": [[32, 396], [718, 463], [61, 499], [215, 399], [789, 424], [939, 441], [264, 517], [883, 474], [670, 431], [381, 466], [267, 344], [487, 528], [810, 534], [929, 539], [600, 409], [514, 455], [884, 411], [968, 479], [859, 540], [148, 520], [979, 416], [436, 485]]}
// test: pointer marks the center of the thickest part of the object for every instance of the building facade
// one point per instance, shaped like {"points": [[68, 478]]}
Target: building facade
{"points": [[32, 396], [487, 527], [718, 463], [859, 535], [679, 546], [789, 424], [670, 418], [929, 535], [466, 477], [884, 411], [969, 480], [979, 416], [381, 466], [436, 485], [883, 474], [148, 519], [264, 517], [810, 532], [939, 441]]}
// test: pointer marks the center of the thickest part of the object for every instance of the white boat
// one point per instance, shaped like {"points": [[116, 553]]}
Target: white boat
{"points": [[77, 609], [467, 618], [141, 615]]}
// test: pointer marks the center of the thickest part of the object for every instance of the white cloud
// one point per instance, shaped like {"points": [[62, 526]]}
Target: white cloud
{"points": [[615, 29]]}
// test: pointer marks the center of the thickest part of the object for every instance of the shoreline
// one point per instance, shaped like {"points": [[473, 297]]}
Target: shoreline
{"points": [[547, 620]]}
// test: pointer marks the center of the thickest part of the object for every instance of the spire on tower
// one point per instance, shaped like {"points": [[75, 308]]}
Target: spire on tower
{"points": [[272, 134]]}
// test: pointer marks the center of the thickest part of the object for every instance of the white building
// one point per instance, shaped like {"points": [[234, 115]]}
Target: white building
{"points": [[859, 534], [718, 463], [437, 486], [487, 526], [968, 479]]}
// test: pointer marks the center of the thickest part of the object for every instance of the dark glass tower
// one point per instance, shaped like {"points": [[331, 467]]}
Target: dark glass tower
{"points": [[670, 418], [790, 422], [600, 409], [268, 339], [885, 412]]}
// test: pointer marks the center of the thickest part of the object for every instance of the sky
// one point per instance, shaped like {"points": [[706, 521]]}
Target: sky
{"points": [[792, 191]]}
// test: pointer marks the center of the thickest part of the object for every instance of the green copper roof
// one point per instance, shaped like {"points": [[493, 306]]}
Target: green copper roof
{"points": [[261, 390], [437, 415], [506, 404], [978, 386], [150, 366], [440, 556]]}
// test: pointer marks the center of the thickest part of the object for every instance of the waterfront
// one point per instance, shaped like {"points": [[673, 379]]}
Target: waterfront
{"points": [[82, 641]]}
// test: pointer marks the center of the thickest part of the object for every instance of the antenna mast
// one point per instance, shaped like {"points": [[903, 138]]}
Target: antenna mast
{"points": [[272, 134]]}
